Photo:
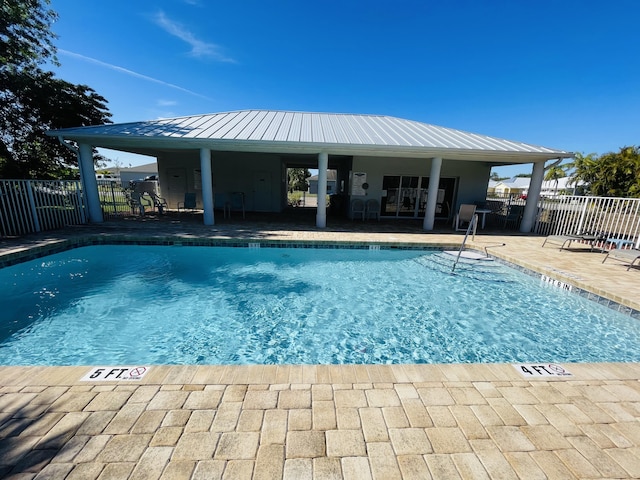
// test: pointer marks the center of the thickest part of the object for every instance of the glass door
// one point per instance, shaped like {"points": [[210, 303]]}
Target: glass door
{"points": [[408, 199], [390, 194], [401, 195], [406, 196]]}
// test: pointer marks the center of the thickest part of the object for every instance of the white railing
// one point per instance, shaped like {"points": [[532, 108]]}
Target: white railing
{"points": [[608, 217], [30, 206]]}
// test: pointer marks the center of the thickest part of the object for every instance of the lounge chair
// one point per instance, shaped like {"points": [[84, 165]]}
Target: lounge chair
{"points": [[625, 255], [565, 241], [464, 216]]}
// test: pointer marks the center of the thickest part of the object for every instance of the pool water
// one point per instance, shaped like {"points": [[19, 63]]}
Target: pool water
{"points": [[216, 305]]}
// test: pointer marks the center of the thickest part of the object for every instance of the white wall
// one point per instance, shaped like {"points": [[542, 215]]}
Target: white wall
{"points": [[250, 172], [473, 177], [257, 175], [473, 180]]}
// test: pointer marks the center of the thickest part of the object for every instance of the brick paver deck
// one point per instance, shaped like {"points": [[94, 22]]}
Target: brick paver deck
{"points": [[329, 421]]}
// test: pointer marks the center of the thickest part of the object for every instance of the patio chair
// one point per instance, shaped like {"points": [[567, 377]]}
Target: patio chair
{"points": [[189, 202], [357, 208], [514, 215], [372, 209], [139, 203], [463, 217], [236, 202], [625, 255], [159, 203], [221, 201]]}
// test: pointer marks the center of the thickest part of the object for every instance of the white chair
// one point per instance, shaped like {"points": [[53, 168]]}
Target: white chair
{"points": [[357, 208], [463, 217]]}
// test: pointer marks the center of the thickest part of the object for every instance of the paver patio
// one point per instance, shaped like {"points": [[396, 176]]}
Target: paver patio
{"points": [[331, 421]]}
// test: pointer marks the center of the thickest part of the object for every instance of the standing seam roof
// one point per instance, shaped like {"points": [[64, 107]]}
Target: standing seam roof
{"points": [[309, 128]]}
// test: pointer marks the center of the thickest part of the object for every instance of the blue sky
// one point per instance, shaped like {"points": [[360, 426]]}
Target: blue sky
{"points": [[563, 74]]}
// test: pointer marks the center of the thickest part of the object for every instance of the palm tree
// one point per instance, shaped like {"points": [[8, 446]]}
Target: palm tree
{"points": [[555, 173]]}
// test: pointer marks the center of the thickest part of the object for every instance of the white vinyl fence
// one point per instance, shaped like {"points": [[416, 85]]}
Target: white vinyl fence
{"points": [[607, 217], [29, 206]]}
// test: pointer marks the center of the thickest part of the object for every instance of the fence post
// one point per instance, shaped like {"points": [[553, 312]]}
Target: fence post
{"points": [[113, 198], [32, 206], [582, 215]]}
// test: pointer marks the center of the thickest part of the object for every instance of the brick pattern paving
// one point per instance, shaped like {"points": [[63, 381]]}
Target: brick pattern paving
{"points": [[572, 428]]}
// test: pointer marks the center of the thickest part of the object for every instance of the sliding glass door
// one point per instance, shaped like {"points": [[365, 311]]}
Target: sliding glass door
{"points": [[406, 196]]}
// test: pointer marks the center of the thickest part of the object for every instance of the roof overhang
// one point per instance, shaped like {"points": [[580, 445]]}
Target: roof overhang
{"points": [[380, 137]]}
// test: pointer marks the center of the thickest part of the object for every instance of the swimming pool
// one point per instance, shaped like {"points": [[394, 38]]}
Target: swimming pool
{"points": [[124, 304]]}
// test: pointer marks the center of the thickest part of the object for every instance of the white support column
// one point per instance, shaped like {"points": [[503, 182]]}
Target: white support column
{"points": [[207, 185], [321, 211], [90, 183], [533, 196], [432, 196]]}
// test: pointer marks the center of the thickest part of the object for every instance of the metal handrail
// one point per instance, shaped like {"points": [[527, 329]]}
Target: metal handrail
{"points": [[472, 227]]}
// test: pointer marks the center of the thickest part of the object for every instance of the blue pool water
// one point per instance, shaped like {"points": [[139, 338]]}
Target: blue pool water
{"points": [[217, 305]]}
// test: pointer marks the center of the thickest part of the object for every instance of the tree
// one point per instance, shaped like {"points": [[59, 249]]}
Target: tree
{"points": [[33, 101], [555, 173], [612, 174], [26, 40], [297, 179]]}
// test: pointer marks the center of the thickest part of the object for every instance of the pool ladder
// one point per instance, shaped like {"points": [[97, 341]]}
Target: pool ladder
{"points": [[471, 228]]}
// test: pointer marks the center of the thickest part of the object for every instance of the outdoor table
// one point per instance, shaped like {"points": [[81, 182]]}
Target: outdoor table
{"points": [[619, 242], [483, 212]]}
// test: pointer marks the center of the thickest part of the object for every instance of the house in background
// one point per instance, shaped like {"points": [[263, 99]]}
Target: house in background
{"points": [[564, 186], [513, 186], [410, 168], [549, 188], [138, 173], [332, 183]]}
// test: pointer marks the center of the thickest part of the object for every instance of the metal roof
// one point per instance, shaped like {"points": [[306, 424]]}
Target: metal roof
{"points": [[268, 130]]}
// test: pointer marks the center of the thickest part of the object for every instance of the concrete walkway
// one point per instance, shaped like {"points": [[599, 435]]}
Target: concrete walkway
{"points": [[329, 421]]}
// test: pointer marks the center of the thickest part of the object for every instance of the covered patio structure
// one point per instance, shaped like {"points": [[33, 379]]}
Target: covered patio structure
{"points": [[404, 168]]}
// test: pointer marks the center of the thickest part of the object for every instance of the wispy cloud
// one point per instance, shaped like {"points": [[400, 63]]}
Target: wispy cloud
{"points": [[129, 72], [199, 48], [166, 103]]}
